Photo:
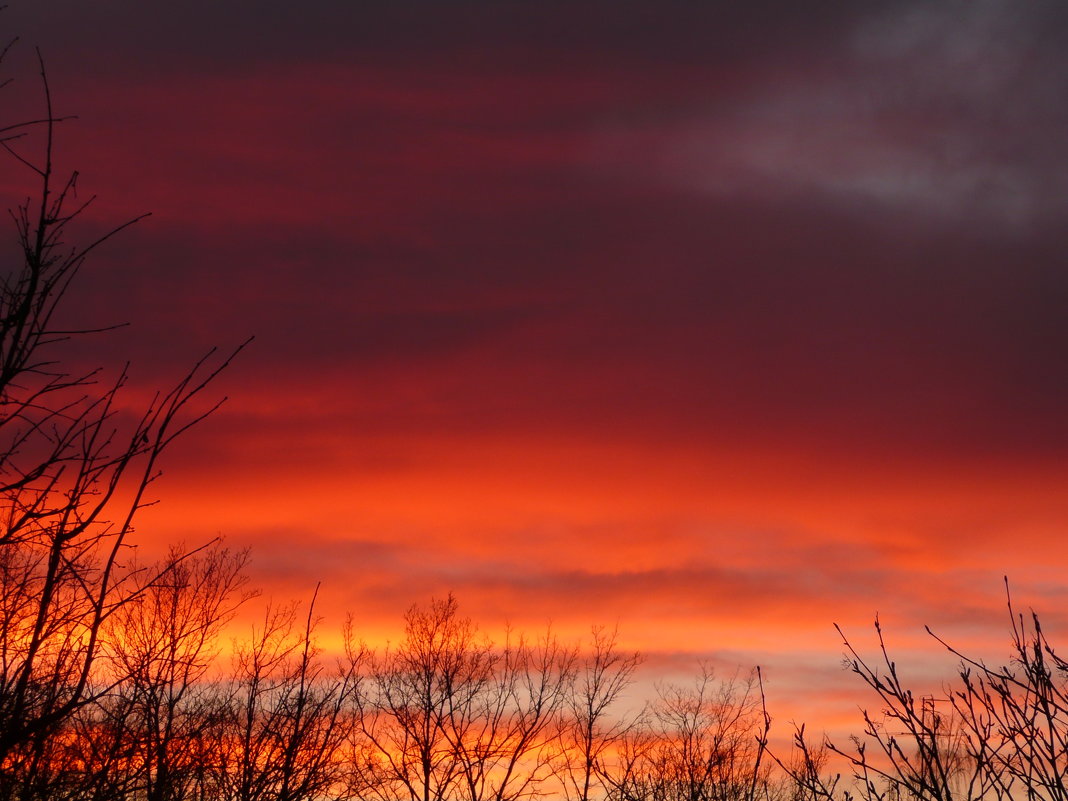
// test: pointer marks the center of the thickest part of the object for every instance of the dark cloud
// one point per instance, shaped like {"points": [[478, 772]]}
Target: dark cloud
{"points": [[209, 35], [795, 249]]}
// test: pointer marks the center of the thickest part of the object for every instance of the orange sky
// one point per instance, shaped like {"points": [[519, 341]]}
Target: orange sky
{"points": [[721, 324]]}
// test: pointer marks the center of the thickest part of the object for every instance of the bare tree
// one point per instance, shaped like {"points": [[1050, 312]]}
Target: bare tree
{"points": [[591, 732], [74, 471], [505, 750], [286, 723], [140, 736], [703, 742], [416, 701], [806, 771], [998, 732], [160, 649], [446, 714], [921, 752], [1014, 717]]}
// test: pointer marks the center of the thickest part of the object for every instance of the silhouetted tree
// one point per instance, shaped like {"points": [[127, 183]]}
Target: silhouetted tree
{"points": [[73, 473], [446, 714], [806, 773], [506, 749], [159, 649], [703, 742], [590, 732], [920, 751], [286, 718], [1000, 732], [416, 700]]}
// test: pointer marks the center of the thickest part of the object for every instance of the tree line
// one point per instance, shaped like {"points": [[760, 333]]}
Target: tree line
{"points": [[449, 714], [446, 713], [113, 685]]}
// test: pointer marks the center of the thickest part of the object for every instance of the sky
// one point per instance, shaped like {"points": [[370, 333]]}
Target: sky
{"points": [[719, 322]]}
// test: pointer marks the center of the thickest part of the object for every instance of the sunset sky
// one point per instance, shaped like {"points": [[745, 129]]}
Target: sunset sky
{"points": [[720, 321]]}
